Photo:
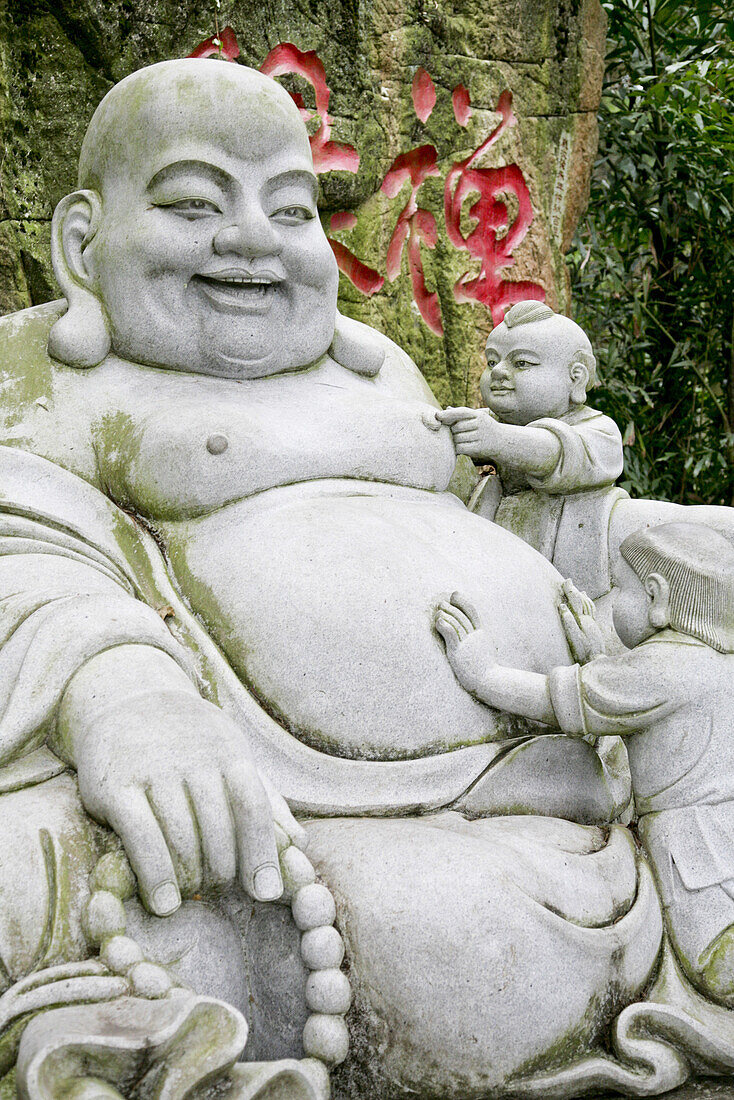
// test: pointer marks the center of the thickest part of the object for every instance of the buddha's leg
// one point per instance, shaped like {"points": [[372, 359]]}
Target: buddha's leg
{"points": [[459, 933], [239, 951], [230, 948]]}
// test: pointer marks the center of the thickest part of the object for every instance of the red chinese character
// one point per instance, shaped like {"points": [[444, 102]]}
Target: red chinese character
{"points": [[360, 275], [224, 45], [492, 216], [415, 226], [328, 155]]}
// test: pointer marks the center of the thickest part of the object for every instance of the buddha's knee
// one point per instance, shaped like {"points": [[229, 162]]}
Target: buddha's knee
{"points": [[49, 848]]}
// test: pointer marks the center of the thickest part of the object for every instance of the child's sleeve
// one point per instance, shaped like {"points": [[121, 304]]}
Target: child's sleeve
{"points": [[591, 455], [612, 695]]}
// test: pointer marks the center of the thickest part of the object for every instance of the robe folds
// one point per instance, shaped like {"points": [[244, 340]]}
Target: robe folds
{"points": [[565, 514]]}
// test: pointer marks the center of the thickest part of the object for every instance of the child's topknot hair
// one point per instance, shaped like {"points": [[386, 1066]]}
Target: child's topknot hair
{"points": [[524, 313], [530, 311], [698, 564]]}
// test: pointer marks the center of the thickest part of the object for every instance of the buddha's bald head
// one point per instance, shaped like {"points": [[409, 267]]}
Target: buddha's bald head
{"points": [[187, 102], [195, 228]]}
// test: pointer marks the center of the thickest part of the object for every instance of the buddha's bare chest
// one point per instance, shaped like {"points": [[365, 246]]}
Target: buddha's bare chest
{"points": [[179, 450]]}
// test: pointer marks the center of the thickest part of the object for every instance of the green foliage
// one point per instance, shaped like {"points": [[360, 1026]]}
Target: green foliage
{"points": [[653, 262]]}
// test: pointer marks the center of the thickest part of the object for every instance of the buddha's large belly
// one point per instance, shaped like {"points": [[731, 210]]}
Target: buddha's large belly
{"points": [[322, 597]]}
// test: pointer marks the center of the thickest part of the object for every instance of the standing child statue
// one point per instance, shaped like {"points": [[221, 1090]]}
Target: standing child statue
{"points": [[557, 458], [673, 691]]}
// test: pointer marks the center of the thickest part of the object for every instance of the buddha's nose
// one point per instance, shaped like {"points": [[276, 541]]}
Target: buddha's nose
{"points": [[251, 235], [501, 372]]}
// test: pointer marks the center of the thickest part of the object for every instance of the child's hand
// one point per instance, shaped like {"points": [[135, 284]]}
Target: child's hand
{"points": [[585, 639], [474, 430], [467, 645]]}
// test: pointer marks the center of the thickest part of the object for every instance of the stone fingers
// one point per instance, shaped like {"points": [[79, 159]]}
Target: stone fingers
{"points": [[574, 635], [283, 816], [215, 827], [451, 416], [132, 818], [257, 852], [448, 628], [578, 601], [462, 605], [176, 816]]}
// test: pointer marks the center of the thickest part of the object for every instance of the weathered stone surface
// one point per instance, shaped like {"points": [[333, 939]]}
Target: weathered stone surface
{"points": [[57, 60], [232, 575]]}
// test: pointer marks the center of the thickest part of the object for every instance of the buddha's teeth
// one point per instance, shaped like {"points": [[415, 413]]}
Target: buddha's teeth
{"points": [[245, 282]]}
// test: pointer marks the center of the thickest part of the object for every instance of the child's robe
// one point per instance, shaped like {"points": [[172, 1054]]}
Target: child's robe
{"points": [[564, 514], [675, 695]]}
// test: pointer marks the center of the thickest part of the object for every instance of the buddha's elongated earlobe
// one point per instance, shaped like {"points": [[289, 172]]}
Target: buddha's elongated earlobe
{"points": [[356, 347], [81, 338]]}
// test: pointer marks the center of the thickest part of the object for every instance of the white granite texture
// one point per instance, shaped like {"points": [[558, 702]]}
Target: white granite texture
{"points": [[307, 769]]}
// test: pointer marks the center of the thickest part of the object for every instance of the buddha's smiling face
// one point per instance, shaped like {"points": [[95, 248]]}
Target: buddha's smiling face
{"points": [[210, 256]]}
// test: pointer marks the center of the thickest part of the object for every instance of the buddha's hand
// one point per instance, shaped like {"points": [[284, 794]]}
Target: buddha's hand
{"points": [[172, 775], [467, 645], [583, 633], [475, 432]]}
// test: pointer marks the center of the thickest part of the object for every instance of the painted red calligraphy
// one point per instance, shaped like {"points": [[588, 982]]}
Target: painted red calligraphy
{"points": [[363, 277], [415, 226], [462, 105], [423, 93], [328, 155], [495, 234], [224, 45]]}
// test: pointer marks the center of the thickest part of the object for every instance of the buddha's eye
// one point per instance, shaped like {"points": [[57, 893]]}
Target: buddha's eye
{"points": [[191, 208], [522, 364], [292, 215]]}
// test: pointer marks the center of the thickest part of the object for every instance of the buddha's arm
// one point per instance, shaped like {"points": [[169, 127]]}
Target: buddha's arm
{"points": [[95, 671], [168, 771]]}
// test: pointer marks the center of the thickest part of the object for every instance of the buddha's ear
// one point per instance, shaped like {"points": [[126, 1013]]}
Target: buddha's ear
{"points": [[81, 337], [355, 348]]}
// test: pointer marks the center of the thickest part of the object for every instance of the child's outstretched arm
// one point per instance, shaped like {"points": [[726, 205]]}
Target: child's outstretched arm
{"points": [[477, 434], [470, 655]]}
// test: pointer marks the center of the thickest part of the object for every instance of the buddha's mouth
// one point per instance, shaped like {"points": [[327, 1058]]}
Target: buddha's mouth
{"points": [[240, 289]]}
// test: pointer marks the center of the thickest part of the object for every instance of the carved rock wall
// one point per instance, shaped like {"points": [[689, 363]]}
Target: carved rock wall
{"points": [[384, 61]]}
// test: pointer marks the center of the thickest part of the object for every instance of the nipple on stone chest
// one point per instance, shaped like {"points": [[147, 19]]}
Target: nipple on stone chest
{"points": [[217, 443]]}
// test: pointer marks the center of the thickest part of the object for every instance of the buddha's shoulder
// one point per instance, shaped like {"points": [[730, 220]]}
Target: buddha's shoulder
{"points": [[42, 401], [24, 340]]}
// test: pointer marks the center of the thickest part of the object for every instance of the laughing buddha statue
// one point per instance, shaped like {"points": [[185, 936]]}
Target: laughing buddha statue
{"points": [[226, 524]]}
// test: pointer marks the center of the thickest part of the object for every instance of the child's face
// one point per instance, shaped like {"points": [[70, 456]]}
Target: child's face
{"points": [[631, 611], [528, 373]]}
